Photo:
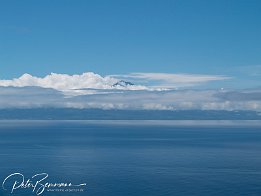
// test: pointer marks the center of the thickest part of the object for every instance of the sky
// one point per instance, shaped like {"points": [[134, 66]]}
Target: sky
{"points": [[157, 45]]}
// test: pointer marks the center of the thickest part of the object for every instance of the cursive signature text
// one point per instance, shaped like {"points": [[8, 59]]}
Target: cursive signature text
{"points": [[38, 183]]}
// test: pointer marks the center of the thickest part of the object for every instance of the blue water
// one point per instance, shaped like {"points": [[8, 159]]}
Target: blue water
{"points": [[135, 158]]}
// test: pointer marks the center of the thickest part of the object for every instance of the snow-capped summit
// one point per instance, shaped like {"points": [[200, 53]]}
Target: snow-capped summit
{"points": [[122, 83]]}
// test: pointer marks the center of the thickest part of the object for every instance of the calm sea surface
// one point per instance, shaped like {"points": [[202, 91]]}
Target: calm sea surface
{"points": [[133, 158]]}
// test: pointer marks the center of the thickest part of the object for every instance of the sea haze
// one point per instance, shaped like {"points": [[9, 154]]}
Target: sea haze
{"points": [[116, 114], [134, 158]]}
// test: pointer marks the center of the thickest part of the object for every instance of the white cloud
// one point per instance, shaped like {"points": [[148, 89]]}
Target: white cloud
{"points": [[67, 83], [91, 90], [89, 82]]}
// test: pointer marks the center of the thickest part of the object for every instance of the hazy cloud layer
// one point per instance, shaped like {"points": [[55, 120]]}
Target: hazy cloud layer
{"points": [[170, 100], [30, 97], [171, 81], [35, 97]]}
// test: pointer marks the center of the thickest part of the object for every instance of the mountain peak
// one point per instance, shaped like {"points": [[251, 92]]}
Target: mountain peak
{"points": [[122, 83]]}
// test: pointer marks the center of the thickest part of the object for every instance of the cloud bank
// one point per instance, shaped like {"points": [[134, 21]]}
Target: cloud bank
{"points": [[37, 97], [90, 90], [89, 80], [65, 82]]}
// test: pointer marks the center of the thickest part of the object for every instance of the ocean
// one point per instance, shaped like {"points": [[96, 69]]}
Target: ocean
{"points": [[130, 158]]}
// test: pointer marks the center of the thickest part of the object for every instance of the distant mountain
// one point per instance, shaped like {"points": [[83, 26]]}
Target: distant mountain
{"points": [[122, 83]]}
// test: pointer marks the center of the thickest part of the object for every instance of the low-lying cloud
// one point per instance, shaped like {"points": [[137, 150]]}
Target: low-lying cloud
{"points": [[90, 90], [37, 97]]}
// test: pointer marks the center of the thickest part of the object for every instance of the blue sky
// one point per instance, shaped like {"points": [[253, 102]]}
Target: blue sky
{"points": [[218, 37]]}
